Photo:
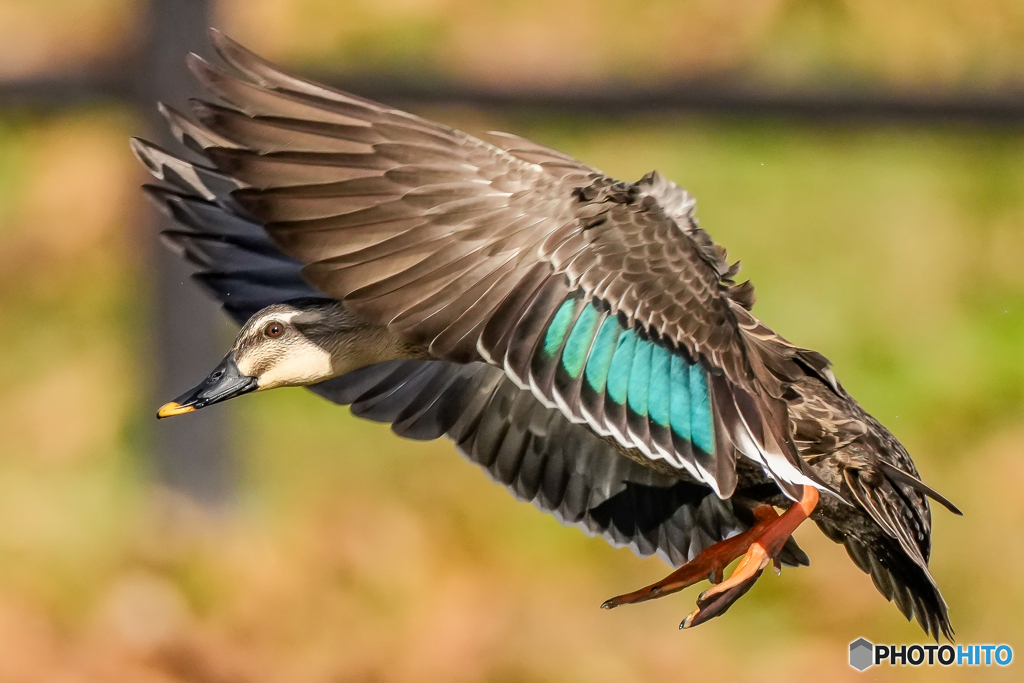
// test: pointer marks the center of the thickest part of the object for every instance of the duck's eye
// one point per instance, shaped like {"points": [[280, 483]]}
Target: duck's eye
{"points": [[273, 330]]}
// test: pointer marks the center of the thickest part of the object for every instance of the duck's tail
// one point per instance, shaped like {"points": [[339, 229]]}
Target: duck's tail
{"points": [[901, 575]]}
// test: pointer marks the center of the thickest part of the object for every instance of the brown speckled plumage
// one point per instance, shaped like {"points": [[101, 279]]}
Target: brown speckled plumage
{"points": [[460, 251]]}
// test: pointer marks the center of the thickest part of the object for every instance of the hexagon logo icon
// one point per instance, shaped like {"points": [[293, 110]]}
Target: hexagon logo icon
{"points": [[861, 654]]}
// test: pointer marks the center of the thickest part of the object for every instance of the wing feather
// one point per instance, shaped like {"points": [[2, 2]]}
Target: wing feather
{"points": [[436, 234]]}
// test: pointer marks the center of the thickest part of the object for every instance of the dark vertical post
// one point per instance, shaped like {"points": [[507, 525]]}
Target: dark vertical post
{"points": [[189, 332]]}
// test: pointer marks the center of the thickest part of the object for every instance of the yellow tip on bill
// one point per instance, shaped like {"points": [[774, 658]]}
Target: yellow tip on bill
{"points": [[171, 409]]}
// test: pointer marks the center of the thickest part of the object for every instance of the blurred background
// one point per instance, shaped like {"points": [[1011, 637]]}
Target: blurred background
{"points": [[864, 158]]}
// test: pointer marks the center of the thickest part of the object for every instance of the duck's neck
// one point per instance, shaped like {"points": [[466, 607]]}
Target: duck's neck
{"points": [[355, 348], [351, 343]]}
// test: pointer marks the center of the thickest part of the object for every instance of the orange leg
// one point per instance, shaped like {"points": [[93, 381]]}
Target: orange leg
{"points": [[709, 564], [761, 543]]}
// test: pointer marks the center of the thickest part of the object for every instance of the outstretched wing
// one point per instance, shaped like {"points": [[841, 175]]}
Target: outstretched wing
{"points": [[603, 297], [535, 452], [542, 458]]}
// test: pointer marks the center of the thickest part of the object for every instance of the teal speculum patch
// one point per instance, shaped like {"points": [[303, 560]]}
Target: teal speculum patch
{"points": [[558, 328], [602, 360]]}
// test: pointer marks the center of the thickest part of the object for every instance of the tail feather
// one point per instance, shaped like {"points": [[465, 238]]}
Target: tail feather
{"points": [[918, 485], [896, 575]]}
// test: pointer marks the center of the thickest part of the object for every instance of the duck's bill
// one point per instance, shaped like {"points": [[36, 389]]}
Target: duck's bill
{"points": [[226, 381]]}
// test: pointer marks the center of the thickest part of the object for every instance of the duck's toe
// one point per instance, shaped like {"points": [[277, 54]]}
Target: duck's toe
{"points": [[708, 565], [711, 605], [759, 545]]}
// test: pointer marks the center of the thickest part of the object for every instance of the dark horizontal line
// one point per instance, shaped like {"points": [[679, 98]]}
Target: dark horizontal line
{"points": [[64, 91], [613, 99], [610, 99]]}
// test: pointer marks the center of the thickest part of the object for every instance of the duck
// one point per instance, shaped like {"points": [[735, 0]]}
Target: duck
{"points": [[580, 338]]}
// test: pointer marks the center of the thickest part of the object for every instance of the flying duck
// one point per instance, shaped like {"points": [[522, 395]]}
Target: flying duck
{"points": [[580, 338]]}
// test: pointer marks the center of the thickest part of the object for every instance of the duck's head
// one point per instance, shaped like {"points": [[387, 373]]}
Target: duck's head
{"points": [[297, 343]]}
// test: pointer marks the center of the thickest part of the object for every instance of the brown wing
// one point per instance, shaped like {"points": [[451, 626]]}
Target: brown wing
{"points": [[469, 249], [536, 453]]}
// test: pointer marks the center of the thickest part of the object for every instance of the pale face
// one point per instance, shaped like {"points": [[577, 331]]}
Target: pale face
{"points": [[274, 348], [287, 345]]}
